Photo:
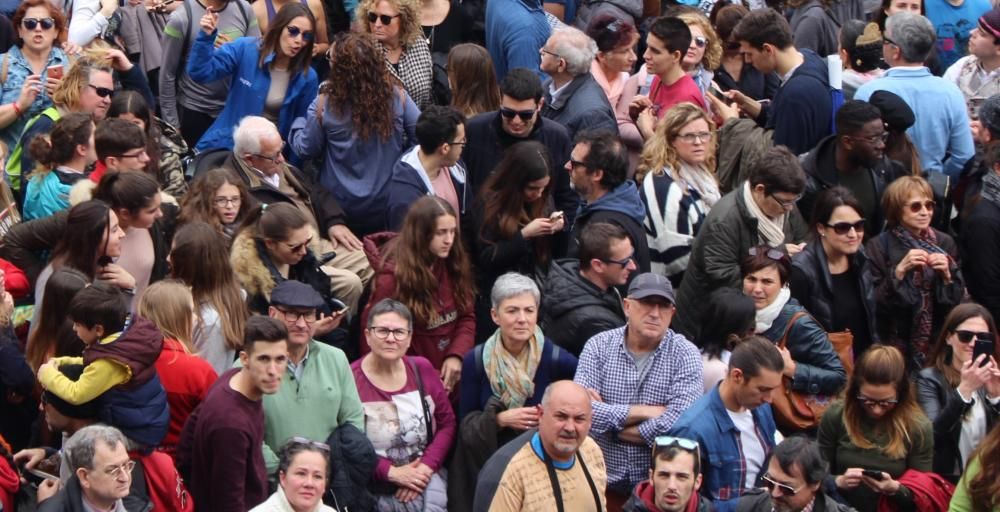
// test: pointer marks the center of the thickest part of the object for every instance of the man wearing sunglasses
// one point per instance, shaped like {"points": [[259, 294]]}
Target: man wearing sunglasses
{"points": [[674, 480], [855, 159], [793, 481], [572, 96]]}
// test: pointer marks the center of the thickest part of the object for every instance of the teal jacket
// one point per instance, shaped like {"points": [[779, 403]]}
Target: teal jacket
{"points": [[49, 194]]}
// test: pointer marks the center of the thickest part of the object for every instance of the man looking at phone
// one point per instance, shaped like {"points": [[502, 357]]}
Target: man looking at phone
{"points": [[793, 481]]}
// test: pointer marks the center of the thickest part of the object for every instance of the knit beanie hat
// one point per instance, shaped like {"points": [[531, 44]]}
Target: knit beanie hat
{"points": [[990, 22], [85, 411]]}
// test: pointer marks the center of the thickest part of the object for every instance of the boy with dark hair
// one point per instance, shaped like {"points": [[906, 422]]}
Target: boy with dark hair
{"points": [[120, 146], [119, 365]]}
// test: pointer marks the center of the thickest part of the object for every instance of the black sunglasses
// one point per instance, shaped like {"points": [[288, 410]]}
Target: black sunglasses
{"points": [[967, 336], [103, 92], [384, 18], [31, 23], [294, 32], [842, 228], [509, 113]]}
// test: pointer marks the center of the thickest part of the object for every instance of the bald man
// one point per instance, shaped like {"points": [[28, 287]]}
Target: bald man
{"points": [[556, 467]]}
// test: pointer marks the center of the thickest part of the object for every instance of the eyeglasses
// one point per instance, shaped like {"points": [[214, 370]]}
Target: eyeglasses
{"points": [[509, 113], [31, 23], [459, 143], [383, 333], [116, 471], [774, 254], [384, 18], [573, 164], [785, 489], [299, 247], [103, 92], [294, 32], [302, 441], [874, 139], [967, 336], [543, 51], [886, 40], [132, 155], [278, 155], [871, 402], [622, 262], [700, 41], [916, 206], [788, 205], [227, 201], [842, 228], [692, 138], [294, 316]]}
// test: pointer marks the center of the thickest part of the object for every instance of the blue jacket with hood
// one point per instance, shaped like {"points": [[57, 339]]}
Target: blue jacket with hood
{"points": [[409, 182], [802, 111], [621, 206]]}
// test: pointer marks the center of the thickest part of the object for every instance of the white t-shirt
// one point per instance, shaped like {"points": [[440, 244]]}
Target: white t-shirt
{"points": [[753, 448]]}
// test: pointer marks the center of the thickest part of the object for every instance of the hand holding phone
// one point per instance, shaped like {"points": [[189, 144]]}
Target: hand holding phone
{"points": [[556, 216], [984, 347], [871, 473], [55, 72]]}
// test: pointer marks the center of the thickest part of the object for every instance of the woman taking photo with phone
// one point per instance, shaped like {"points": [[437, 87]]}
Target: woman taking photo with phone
{"points": [[959, 390]]}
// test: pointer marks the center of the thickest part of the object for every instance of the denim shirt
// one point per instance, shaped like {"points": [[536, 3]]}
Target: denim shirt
{"points": [[18, 70], [722, 464]]}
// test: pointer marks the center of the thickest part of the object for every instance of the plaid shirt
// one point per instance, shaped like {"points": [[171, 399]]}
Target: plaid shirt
{"points": [[673, 379]]}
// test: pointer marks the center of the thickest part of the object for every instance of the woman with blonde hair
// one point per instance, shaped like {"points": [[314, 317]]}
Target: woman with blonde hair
{"points": [[185, 377], [877, 427], [395, 24], [677, 183], [473, 80], [705, 53]]}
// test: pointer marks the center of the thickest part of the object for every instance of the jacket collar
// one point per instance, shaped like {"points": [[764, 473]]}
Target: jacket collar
{"points": [[507, 140], [567, 93]]}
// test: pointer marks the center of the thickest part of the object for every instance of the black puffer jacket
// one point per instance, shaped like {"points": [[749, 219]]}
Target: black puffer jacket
{"points": [[351, 472], [574, 309]]}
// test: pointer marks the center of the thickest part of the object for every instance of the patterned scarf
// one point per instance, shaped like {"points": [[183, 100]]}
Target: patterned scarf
{"points": [[771, 230], [510, 381], [923, 281]]}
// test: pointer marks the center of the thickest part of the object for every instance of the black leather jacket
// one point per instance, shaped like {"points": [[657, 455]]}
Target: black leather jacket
{"points": [[946, 409]]}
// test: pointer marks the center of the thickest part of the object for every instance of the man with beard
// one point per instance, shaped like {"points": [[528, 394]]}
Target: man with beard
{"points": [[557, 467], [674, 480], [794, 481], [853, 158]]}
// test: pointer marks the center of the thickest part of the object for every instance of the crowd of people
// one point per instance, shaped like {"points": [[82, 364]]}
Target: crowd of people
{"points": [[499, 255]]}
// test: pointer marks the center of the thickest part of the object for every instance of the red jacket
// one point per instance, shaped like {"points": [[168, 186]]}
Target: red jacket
{"points": [[10, 482], [186, 379], [453, 336], [14, 280], [930, 491]]}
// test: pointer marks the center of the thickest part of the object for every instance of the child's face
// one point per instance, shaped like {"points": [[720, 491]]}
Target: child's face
{"points": [[87, 335]]}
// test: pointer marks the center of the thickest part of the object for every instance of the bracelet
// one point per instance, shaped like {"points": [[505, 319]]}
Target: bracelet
{"points": [[17, 109]]}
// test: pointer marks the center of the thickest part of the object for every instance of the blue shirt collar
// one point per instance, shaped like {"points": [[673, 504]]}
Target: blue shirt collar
{"points": [[536, 446]]}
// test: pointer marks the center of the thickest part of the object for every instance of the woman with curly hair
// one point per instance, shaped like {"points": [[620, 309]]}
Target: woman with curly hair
{"points": [[473, 80], [861, 52], [361, 121], [395, 25], [426, 268], [218, 198], [705, 52], [677, 181]]}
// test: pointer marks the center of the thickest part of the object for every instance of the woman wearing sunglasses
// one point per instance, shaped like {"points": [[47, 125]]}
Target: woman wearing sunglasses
{"points": [[303, 474], [877, 433], [810, 361], [408, 417], [395, 25], [915, 271], [705, 52], [270, 77], [960, 393], [831, 276]]}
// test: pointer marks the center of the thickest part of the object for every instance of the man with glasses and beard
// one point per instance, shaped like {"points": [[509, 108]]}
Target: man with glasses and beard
{"points": [[674, 480], [793, 482]]}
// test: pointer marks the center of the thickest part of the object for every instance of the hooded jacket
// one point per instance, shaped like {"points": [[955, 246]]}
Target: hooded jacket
{"points": [[621, 206], [643, 499], [802, 111], [574, 309], [815, 27], [49, 194], [410, 182]]}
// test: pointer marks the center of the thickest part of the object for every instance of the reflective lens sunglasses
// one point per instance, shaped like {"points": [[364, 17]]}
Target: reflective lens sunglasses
{"points": [[967, 336], [700, 41], [774, 254], [103, 92], [842, 228], [31, 23], [309, 442], [785, 489], [622, 262], [917, 205], [509, 113], [384, 18], [294, 32], [661, 443]]}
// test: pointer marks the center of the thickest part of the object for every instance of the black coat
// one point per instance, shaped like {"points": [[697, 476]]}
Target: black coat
{"points": [[946, 409], [980, 245], [574, 309], [353, 461]]}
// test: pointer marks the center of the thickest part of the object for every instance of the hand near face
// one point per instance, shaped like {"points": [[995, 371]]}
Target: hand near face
{"points": [[914, 259]]}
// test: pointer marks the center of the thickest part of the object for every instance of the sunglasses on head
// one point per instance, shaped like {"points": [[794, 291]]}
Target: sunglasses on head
{"points": [[103, 92], [31, 23], [700, 41], [916, 206], [295, 31], [967, 336], [384, 18], [774, 254], [309, 442], [842, 228], [509, 113]]}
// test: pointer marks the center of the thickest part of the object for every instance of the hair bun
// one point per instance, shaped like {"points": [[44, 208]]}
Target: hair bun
{"points": [[871, 35]]}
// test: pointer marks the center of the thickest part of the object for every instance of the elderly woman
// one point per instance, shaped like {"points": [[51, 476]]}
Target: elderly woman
{"points": [[916, 271], [616, 39], [408, 417], [503, 380], [705, 52], [810, 361], [303, 471], [395, 24]]}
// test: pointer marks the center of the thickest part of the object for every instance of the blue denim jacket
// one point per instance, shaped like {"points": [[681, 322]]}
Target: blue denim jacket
{"points": [[18, 70], [722, 466]]}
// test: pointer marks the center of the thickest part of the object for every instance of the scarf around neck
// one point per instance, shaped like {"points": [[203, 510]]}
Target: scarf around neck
{"points": [[510, 381], [767, 314], [770, 230], [700, 179]]}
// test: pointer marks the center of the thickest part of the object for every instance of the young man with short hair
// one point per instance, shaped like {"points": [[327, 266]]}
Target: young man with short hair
{"points": [[120, 146], [674, 480], [977, 75]]}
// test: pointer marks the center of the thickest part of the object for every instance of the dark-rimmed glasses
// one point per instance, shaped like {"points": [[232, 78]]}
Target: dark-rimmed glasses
{"points": [[871, 402], [966, 337], [623, 262], [509, 113], [383, 333], [386, 19], [31, 23], [294, 316], [103, 92]]}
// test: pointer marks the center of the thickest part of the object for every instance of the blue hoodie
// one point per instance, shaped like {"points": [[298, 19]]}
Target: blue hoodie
{"points": [[621, 206], [802, 111], [409, 182]]}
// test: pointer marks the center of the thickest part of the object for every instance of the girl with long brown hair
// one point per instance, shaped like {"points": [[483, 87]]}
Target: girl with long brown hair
{"points": [[473, 80], [877, 427], [426, 268], [218, 198], [361, 121]]}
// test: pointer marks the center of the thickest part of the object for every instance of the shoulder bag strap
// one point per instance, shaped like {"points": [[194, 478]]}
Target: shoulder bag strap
{"points": [[423, 402], [788, 328]]}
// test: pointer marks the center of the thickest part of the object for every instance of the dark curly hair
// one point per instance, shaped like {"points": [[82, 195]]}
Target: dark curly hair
{"points": [[359, 83], [860, 57]]}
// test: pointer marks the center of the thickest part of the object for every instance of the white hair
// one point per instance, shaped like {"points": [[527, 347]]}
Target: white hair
{"points": [[248, 134], [575, 47]]}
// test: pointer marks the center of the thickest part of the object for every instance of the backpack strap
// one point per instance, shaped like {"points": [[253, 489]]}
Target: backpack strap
{"points": [[478, 357], [554, 362]]}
